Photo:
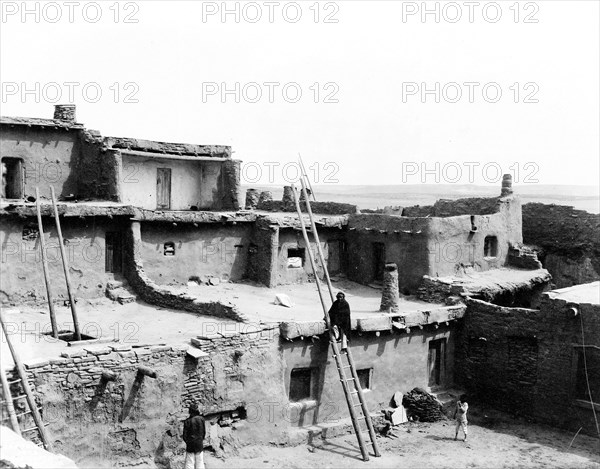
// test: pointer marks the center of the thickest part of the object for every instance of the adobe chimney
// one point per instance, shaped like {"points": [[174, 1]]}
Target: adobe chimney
{"points": [[64, 112], [506, 185]]}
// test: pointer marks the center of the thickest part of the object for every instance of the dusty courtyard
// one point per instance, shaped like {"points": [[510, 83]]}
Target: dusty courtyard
{"points": [[496, 440]]}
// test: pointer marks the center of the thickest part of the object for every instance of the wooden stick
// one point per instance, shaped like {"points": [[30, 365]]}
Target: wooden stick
{"points": [[65, 266], [35, 413], [305, 175], [14, 423], [45, 264], [316, 236]]}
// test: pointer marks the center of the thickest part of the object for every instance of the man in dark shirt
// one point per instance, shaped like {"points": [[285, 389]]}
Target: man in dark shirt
{"points": [[193, 435], [339, 315]]}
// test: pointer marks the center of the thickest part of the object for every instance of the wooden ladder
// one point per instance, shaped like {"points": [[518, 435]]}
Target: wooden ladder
{"points": [[357, 406], [8, 399]]}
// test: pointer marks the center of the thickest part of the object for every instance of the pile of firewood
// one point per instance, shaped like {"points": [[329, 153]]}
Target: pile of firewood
{"points": [[422, 406]]}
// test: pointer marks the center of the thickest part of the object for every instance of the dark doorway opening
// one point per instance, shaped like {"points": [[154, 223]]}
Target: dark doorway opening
{"points": [[337, 256], [436, 362], [113, 252], [12, 178], [378, 261]]}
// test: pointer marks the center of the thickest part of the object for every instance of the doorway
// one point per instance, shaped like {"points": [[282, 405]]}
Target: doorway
{"points": [[113, 252], [378, 261], [436, 362], [12, 178]]}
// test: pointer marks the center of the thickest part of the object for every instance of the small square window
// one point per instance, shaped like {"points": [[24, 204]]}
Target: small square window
{"points": [[364, 378], [169, 249], [301, 384], [30, 232], [295, 258]]}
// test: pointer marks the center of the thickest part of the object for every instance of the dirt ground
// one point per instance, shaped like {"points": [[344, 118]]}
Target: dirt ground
{"points": [[496, 440]]}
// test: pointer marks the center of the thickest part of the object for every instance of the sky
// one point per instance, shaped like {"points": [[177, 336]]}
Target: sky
{"points": [[368, 93]]}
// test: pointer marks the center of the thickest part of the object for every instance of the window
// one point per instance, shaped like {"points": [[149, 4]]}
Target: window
{"points": [[30, 232], [169, 249], [301, 384], [295, 257], [12, 178], [490, 246], [364, 378], [590, 361]]}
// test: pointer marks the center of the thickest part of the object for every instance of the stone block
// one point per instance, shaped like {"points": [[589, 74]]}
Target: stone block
{"points": [[376, 323]]}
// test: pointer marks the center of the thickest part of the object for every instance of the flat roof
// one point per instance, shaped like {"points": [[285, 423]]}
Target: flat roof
{"points": [[587, 293], [140, 323]]}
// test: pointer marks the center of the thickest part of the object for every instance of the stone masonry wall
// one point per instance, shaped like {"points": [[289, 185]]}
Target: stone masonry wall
{"points": [[525, 361], [569, 242]]}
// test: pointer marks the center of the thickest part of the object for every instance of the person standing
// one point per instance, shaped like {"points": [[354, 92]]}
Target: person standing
{"points": [[339, 316], [193, 435], [460, 414]]}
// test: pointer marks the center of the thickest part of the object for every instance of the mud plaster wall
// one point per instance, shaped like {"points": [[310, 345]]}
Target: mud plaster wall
{"points": [[262, 254], [569, 242], [398, 361], [208, 250], [193, 183], [96, 421], [98, 170], [431, 246], [453, 247], [49, 158], [524, 361], [21, 263], [405, 245], [290, 238]]}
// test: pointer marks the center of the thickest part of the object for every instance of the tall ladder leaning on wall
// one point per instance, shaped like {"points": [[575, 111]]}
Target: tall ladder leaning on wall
{"points": [[8, 399], [351, 386]]}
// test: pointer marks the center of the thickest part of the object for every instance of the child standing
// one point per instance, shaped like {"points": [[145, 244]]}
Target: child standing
{"points": [[460, 414]]}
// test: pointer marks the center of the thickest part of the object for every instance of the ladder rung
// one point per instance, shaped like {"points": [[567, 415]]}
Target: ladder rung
{"points": [[19, 397], [15, 381], [24, 413], [30, 429]]}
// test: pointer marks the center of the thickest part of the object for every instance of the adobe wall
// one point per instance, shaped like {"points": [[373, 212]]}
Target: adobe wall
{"points": [[398, 360], [292, 238], [569, 242], [96, 421], [205, 250], [436, 246], [21, 264], [99, 170], [405, 241], [453, 246], [262, 254], [49, 157], [524, 361], [193, 183]]}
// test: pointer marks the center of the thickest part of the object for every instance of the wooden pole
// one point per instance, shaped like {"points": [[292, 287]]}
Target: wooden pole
{"points": [[45, 264], [336, 353], [305, 175], [65, 267], [14, 423], [316, 235], [35, 413]]}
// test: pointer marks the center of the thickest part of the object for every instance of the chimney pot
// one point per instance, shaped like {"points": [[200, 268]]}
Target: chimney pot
{"points": [[64, 112]]}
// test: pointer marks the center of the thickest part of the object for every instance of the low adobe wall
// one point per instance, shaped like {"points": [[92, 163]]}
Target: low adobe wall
{"points": [[164, 296]]}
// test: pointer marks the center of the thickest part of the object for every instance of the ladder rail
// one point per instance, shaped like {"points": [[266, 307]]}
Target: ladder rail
{"points": [[14, 423], [65, 265], [45, 268], [357, 386], [332, 340], [305, 176], [37, 418]]}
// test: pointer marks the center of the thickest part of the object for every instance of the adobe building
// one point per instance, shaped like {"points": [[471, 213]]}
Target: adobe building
{"points": [[158, 227]]}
